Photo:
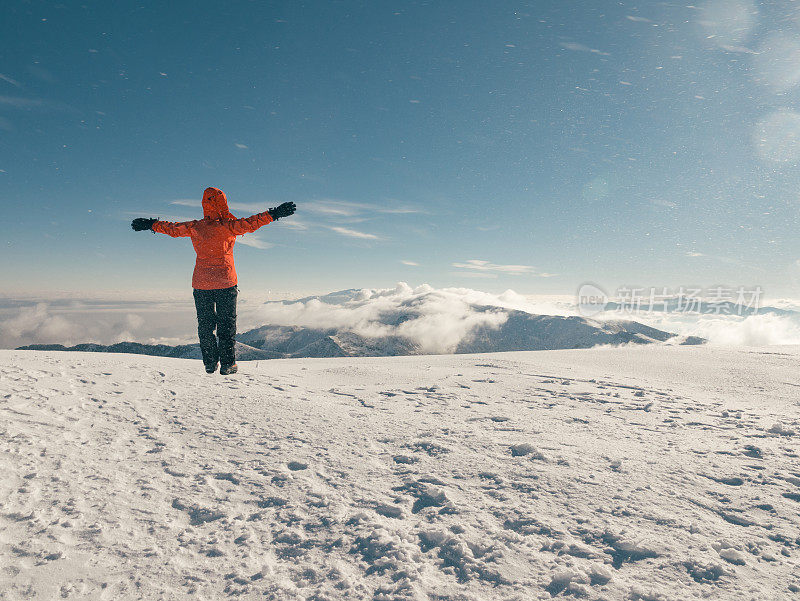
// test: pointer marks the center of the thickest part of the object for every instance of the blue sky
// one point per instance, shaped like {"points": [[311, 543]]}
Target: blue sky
{"points": [[525, 145]]}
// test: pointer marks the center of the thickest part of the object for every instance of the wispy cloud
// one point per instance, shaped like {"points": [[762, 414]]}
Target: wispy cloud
{"points": [[255, 241], [480, 266], [410, 263], [354, 233], [20, 102], [294, 224], [727, 260], [343, 208], [400, 210], [339, 209], [475, 274], [13, 82], [738, 49], [582, 48]]}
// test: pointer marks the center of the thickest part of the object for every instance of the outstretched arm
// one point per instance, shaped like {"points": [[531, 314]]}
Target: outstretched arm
{"points": [[182, 229], [176, 230], [249, 224], [252, 223]]}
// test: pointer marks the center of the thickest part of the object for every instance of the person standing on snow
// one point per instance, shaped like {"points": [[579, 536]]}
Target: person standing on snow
{"points": [[214, 280]]}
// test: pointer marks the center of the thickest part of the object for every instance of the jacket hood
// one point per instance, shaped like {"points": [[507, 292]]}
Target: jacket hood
{"points": [[215, 204]]}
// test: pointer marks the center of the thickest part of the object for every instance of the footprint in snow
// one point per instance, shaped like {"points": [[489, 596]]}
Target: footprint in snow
{"points": [[431, 448], [197, 515], [781, 430], [271, 502], [389, 511], [427, 495], [227, 476], [729, 480], [753, 451], [404, 459], [172, 472], [524, 449]]}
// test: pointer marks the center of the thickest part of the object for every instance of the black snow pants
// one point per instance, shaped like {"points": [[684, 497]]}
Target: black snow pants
{"points": [[217, 309]]}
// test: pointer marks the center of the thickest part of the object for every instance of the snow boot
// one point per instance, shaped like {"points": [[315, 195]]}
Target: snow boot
{"points": [[210, 369], [228, 369]]}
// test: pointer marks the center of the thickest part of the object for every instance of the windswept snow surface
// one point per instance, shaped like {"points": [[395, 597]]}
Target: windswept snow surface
{"points": [[657, 473]]}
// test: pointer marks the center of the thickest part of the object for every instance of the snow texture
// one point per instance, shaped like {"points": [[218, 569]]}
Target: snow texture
{"points": [[646, 473]]}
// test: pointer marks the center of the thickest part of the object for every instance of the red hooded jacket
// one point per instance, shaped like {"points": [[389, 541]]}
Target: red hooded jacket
{"points": [[213, 238]]}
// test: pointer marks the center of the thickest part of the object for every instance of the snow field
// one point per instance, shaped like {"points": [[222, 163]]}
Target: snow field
{"points": [[656, 473]]}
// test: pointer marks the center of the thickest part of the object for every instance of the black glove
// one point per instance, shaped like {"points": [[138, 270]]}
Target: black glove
{"points": [[284, 210], [141, 224]]}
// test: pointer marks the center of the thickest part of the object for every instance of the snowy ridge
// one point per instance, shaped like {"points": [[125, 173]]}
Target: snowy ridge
{"points": [[647, 473]]}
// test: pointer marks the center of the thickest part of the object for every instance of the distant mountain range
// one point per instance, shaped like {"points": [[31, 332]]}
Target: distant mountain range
{"points": [[521, 332]]}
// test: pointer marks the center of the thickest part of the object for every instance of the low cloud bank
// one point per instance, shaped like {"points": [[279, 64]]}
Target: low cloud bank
{"points": [[436, 319], [73, 321], [729, 330], [40, 324]]}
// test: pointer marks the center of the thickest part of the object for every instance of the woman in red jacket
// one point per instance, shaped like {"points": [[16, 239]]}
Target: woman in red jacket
{"points": [[214, 279]]}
